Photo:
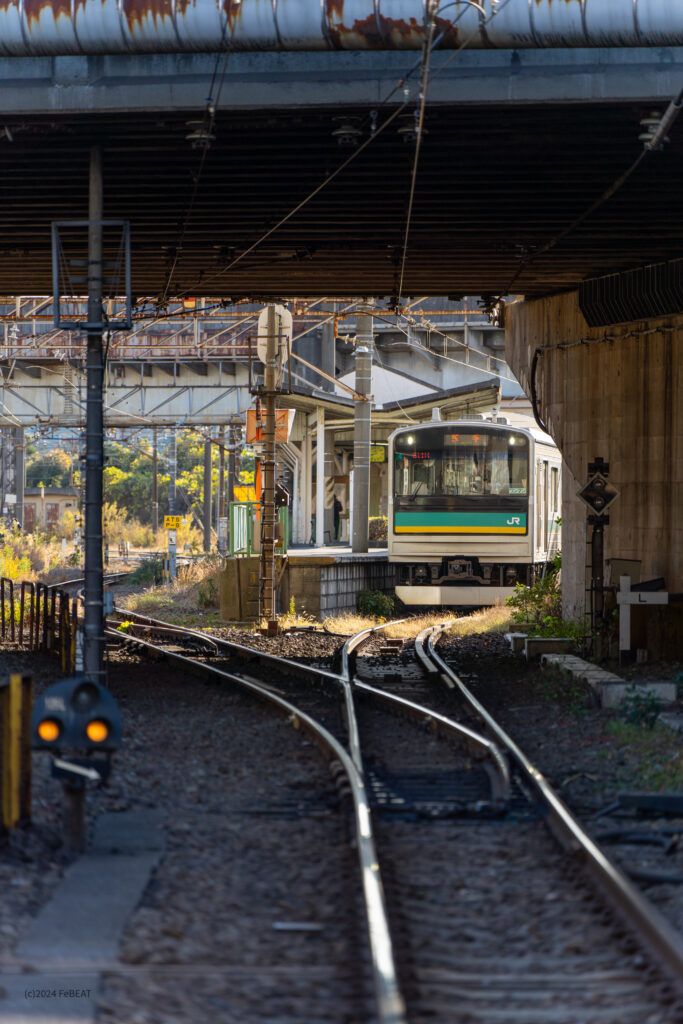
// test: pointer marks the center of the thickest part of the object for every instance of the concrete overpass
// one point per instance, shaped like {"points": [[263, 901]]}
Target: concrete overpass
{"points": [[517, 143]]}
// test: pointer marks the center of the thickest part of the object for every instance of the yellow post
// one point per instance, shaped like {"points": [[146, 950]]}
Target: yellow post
{"points": [[26, 763], [12, 735], [74, 634]]}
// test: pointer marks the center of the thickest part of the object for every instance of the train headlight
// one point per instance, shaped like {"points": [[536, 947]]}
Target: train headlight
{"points": [[511, 440], [410, 439]]}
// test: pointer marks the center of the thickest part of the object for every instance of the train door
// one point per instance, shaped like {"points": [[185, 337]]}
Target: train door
{"points": [[542, 510]]}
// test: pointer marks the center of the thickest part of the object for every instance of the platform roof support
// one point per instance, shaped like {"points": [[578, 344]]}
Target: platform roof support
{"points": [[361, 434], [320, 478]]}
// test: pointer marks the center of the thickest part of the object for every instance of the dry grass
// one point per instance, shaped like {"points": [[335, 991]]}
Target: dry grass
{"points": [[194, 592], [30, 556], [481, 621]]}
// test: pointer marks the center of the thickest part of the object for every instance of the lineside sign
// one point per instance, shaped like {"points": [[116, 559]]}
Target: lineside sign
{"points": [[173, 522]]}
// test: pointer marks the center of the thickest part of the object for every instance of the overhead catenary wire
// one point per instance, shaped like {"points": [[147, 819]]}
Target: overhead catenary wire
{"points": [[419, 129], [360, 149], [651, 145], [205, 133]]}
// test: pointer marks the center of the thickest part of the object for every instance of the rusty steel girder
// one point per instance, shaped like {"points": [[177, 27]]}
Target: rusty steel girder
{"points": [[33, 28]]}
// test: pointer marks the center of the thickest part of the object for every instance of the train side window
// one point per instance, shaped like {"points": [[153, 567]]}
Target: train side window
{"points": [[555, 489]]}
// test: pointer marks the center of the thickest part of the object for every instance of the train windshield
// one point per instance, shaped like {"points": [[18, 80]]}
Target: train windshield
{"points": [[461, 463]]}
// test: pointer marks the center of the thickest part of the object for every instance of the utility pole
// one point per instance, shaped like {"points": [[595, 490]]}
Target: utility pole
{"points": [[361, 432], [93, 653], [232, 462], [19, 474], [207, 495], [172, 466], [155, 483], [221, 473], [268, 511]]}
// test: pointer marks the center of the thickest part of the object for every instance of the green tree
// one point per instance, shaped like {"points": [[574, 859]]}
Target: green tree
{"points": [[51, 469], [128, 479]]}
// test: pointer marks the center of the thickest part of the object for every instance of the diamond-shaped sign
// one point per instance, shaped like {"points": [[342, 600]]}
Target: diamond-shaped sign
{"points": [[598, 494]]}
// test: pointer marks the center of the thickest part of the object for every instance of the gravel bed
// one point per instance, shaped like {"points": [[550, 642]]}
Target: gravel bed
{"points": [[555, 722], [491, 928], [209, 939], [254, 913], [31, 858], [248, 800], [318, 649]]}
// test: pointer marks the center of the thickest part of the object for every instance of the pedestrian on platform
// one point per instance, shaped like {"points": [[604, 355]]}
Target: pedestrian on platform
{"points": [[337, 511]]}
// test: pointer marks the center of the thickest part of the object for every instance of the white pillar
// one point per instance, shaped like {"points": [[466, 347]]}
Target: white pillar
{"points": [[320, 478], [297, 505], [307, 479]]}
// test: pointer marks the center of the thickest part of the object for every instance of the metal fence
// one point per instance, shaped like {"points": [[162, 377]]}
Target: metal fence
{"points": [[243, 529], [40, 618]]}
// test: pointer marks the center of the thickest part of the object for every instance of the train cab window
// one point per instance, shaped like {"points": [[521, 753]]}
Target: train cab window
{"points": [[463, 464]]}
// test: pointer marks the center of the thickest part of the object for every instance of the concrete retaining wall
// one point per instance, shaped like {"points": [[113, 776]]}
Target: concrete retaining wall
{"points": [[324, 586], [619, 399]]}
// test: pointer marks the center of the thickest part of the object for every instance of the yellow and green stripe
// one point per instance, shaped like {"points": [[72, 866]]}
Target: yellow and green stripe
{"points": [[460, 522]]}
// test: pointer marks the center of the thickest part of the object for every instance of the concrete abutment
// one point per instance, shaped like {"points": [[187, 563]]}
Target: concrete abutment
{"points": [[614, 392]]}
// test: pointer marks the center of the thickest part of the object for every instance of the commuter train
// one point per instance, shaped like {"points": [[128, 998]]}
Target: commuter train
{"points": [[473, 509]]}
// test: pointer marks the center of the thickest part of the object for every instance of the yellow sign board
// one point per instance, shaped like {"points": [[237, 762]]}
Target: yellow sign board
{"points": [[173, 522]]}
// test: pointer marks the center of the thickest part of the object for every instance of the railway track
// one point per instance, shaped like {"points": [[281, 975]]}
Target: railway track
{"points": [[484, 899]]}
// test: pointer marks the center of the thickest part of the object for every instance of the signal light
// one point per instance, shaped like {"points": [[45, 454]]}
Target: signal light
{"points": [[76, 715], [49, 730], [97, 731]]}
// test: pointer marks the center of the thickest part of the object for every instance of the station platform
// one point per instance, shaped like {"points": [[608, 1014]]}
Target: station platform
{"points": [[322, 581], [336, 551], [325, 581]]}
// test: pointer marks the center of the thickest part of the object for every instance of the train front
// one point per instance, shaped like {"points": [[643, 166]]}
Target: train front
{"points": [[460, 523]]}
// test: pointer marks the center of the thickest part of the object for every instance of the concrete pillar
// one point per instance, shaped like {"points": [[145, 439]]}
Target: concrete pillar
{"points": [[307, 478], [361, 434], [612, 391], [207, 495], [329, 485], [327, 355], [320, 478]]}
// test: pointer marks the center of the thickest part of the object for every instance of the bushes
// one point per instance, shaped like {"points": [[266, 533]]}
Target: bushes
{"points": [[149, 571], [377, 529], [541, 606], [374, 602]]}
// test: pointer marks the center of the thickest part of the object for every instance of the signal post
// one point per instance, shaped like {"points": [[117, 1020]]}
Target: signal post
{"points": [[274, 340]]}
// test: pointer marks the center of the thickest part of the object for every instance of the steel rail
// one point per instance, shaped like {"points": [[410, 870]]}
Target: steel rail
{"points": [[495, 765], [479, 746], [482, 748], [634, 910], [251, 653], [390, 1004], [81, 579]]}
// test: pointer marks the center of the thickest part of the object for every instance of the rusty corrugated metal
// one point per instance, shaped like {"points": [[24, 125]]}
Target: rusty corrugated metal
{"points": [[60, 27]]}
